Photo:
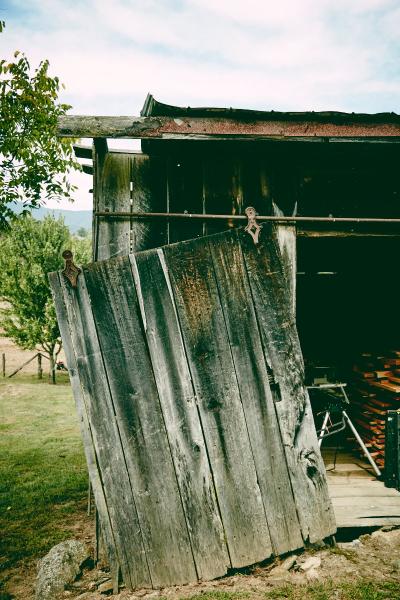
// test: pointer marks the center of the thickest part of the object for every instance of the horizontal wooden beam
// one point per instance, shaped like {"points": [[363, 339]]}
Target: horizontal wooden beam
{"points": [[83, 151], [88, 169], [199, 128]]}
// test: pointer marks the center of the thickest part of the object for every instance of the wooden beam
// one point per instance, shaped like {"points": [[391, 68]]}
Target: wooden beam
{"points": [[88, 169], [82, 151], [225, 129]]}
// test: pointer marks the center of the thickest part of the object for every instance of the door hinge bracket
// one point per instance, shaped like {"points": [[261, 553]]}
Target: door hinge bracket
{"points": [[71, 271], [252, 227]]}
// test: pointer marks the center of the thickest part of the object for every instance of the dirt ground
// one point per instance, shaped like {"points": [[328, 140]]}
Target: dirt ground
{"points": [[371, 558]]}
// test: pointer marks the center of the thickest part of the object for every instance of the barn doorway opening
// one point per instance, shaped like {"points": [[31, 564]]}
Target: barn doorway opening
{"points": [[348, 323]]}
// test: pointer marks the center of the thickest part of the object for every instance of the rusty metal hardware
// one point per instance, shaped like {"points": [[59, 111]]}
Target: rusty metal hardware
{"points": [[272, 218], [71, 271], [252, 227]]}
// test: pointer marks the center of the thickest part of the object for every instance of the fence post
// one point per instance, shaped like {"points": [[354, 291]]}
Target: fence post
{"points": [[40, 370], [3, 363]]}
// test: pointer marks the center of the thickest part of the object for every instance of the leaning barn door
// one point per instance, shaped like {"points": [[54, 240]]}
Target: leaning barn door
{"points": [[188, 376]]}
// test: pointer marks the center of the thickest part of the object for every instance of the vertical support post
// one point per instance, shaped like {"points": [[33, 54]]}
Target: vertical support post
{"points": [[99, 152], [392, 449], [40, 370], [287, 244], [3, 363]]}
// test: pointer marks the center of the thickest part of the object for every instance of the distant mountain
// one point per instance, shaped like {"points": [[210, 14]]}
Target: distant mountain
{"points": [[74, 219]]}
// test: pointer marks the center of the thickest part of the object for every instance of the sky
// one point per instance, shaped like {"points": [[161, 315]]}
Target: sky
{"points": [[281, 54]]}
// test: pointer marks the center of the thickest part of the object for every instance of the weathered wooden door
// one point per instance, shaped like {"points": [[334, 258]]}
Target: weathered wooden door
{"points": [[188, 377]]}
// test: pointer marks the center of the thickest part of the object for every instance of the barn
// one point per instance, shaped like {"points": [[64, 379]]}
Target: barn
{"points": [[268, 240]]}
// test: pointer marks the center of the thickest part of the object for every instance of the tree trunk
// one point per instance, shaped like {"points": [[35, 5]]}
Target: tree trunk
{"points": [[52, 373]]}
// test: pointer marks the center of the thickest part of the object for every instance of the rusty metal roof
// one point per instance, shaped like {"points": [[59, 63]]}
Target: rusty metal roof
{"points": [[154, 108]]}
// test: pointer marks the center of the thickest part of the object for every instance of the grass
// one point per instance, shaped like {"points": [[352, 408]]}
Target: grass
{"points": [[43, 475], [357, 590]]}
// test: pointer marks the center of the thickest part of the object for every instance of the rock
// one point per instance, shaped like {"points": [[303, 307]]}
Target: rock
{"points": [[312, 574], [396, 565], [313, 562], [288, 563], [350, 545], [59, 568], [279, 579], [106, 587]]}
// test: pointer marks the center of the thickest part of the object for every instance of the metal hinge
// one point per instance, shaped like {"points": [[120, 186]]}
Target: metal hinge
{"points": [[71, 271], [252, 227]]}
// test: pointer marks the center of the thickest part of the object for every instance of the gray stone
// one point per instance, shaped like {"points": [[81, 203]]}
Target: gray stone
{"points": [[59, 568], [396, 565], [288, 563], [313, 562]]}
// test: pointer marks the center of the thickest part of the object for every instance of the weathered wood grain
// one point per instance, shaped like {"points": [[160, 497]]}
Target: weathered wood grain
{"points": [[112, 193], [256, 396], [304, 128], [286, 235], [283, 356], [180, 411], [106, 435], [141, 424], [111, 548], [213, 374], [223, 192], [185, 193]]}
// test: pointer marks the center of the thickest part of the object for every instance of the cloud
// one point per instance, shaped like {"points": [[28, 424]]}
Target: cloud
{"points": [[286, 55]]}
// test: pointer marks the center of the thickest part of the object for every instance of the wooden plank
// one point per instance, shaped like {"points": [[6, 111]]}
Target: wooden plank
{"points": [[142, 429], [106, 435], [367, 512], [112, 193], [256, 396], [185, 189], [86, 433], [359, 503], [208, 351], [222, 191], [80, 126], [368, 490], [148, 194], [180, 411], [286, 235], [283, 356]]}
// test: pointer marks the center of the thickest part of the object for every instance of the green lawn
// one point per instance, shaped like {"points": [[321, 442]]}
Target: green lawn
{"points": [[43, 476], [360, 590]]}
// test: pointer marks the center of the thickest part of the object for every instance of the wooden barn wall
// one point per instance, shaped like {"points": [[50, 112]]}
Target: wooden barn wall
{"points": [[188, 376], [186, 182], [193, 183]]}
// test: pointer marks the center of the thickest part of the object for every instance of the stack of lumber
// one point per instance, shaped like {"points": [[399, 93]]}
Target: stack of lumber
{"points": [[375, 389]]}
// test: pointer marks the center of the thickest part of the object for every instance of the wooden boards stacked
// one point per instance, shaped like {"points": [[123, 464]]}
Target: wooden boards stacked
{"points": [[188, 376], [376, 388]]}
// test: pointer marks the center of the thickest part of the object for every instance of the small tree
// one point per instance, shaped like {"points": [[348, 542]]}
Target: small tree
{"points": [[28, 251], [34, 162]]}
